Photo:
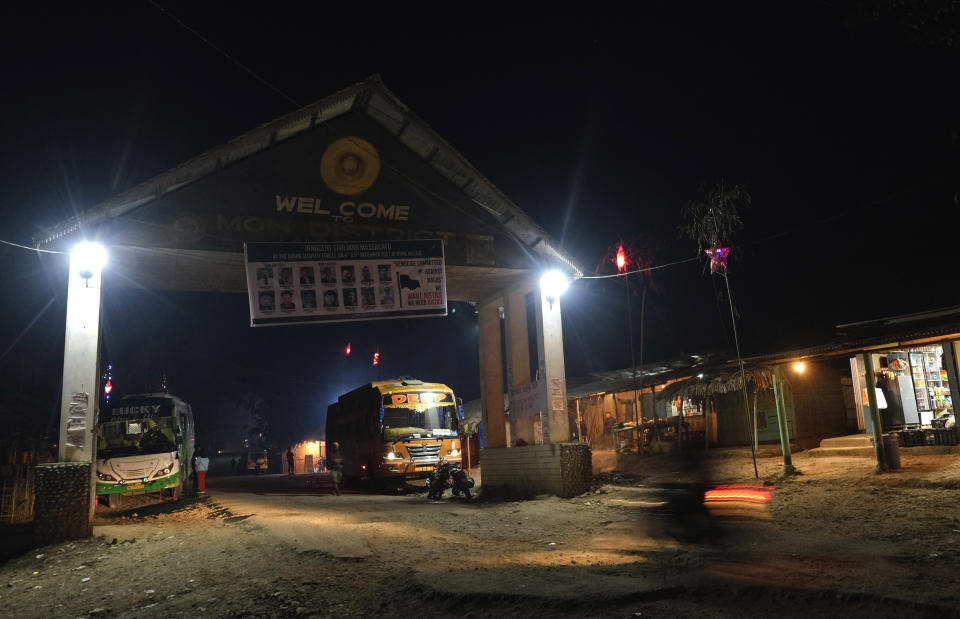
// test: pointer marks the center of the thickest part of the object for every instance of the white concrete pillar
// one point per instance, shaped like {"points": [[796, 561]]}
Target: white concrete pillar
{"points": [[518, 359], [81, 350], [79, 400], [556, 428], [491, 374]]}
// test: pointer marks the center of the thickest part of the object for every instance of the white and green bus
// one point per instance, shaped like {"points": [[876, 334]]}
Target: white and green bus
{"points": [[145, 443]]}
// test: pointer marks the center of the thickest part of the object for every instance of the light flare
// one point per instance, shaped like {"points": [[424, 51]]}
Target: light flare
{"points": [[737, 492]]}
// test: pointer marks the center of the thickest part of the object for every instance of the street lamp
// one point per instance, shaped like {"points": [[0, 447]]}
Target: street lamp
{"points": [[88, 259], [553, 283]]}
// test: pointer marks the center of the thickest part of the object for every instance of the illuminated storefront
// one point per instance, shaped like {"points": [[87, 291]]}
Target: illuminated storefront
{"points": [[915, 387]]}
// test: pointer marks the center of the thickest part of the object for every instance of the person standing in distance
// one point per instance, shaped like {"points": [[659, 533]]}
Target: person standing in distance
{"points": [[335, 459], [201, 466], [290, 471]]}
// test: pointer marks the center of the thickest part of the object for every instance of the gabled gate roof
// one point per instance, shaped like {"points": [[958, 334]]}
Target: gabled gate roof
{"points": [[372, 98]]}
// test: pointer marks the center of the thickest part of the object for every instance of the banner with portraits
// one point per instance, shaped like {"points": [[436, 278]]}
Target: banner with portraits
{"points": [[297, 283]]}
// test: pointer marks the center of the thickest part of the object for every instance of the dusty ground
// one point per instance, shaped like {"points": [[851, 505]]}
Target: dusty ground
{"points": [[836, 539]]}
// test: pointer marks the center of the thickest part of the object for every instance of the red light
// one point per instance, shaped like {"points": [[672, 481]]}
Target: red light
{"points": [[376, 358], [738, 492], [107, 387], [621, 259], [347, 349]]}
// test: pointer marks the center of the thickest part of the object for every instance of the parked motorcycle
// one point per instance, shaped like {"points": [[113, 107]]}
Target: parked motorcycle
{"points": [[448, 475]]}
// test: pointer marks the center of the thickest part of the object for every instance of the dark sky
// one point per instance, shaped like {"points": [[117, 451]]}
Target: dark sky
{"points": [[841, 118]]}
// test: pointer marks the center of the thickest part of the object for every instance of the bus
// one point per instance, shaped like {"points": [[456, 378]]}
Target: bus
{"points": [[145, 443], [395, 429]]}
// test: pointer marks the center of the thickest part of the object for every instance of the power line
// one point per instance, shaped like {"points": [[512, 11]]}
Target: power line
{"points": [[660, 266], [46, 251], [222, 52]]}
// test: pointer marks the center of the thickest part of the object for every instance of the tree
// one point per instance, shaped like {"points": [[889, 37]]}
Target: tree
{"points": [[712, 222], [716, 217], [634, 260]]}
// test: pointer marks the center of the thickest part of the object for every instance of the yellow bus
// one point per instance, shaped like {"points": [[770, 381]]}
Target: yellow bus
{"points": [[395, 429]]}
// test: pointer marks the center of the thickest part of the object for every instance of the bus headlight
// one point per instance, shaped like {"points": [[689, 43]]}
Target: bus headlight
{"points": [[162, 472], [453, 452], [105, 477], [393, 456]]}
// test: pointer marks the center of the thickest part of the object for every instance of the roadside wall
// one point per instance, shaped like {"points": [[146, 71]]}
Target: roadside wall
{"points": [[563, 469], [62, 509]]}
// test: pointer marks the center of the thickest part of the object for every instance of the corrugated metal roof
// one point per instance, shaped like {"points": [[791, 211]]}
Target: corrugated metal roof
{"points": [[723, 373], [649, 374], [373, 98]]}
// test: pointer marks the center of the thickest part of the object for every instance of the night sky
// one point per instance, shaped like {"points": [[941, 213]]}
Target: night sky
{"points": [[841, 118]]}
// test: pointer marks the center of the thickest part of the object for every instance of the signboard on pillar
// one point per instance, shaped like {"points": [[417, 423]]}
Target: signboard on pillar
{"points": [[557, 396], [526, 400], [301, 283]]}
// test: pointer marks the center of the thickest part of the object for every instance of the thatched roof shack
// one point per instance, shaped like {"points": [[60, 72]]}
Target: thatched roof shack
{"points": [[758, 379]]}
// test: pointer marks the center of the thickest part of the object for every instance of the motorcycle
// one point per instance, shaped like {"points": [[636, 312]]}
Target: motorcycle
{"points": [[448, 475]]}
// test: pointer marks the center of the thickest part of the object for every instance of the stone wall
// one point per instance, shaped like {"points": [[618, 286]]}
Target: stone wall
{"points": [[563, 469], [576, 469], [62, 509]]}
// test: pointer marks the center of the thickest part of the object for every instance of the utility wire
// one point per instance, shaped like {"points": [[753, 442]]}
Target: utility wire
{"points": [[46, 251], [223, 53], [660, 266]]}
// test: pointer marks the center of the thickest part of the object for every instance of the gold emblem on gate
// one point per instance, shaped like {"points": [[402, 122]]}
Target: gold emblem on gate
{"points": [[350, 165]]}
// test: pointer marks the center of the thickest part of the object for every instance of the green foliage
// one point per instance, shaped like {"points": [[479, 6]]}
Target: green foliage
{"points": [[716, 216]]}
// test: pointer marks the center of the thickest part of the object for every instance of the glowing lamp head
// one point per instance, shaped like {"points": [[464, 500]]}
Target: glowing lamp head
{"points": [[347, 349], [799, 367], [376, 358], [554, 283], [88, 258], [621, 259]]}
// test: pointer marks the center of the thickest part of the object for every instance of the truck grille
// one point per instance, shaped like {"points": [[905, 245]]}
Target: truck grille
{"points": [[428, 450]]}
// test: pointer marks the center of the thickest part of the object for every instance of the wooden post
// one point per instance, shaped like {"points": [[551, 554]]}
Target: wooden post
{"points": [[782, 421], [707, 405], [680, 429], [469, 463], [579, 422], [874, 412]]}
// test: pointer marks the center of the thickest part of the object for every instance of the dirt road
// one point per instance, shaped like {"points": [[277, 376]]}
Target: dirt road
{"points": [[837, 539]]}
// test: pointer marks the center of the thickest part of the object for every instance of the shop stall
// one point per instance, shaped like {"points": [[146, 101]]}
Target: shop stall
{"points": [[914, 390]]}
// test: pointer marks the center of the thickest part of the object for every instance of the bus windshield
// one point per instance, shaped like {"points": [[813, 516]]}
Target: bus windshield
{"points": [[420, 419], [132, 437]]}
